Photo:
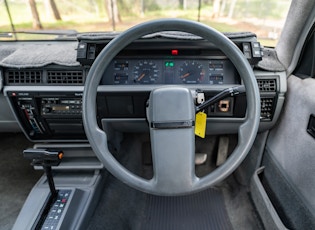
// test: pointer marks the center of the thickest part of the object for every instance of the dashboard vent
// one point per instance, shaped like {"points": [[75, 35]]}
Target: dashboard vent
{"points": [[70, 77], [266, 106], [267, 85], [24, 77]]}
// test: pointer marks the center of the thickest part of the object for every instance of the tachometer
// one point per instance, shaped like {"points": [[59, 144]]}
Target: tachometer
{"points": [[145, 72], [191, 72]]}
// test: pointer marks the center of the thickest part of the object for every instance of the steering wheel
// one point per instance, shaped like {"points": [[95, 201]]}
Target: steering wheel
{"points": [[175, 176]]}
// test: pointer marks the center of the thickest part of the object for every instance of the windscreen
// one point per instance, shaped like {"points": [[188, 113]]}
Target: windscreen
{"points": [[47, 19]]}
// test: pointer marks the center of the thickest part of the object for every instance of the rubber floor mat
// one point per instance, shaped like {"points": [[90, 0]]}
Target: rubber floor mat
{"points": [[203, 210]]}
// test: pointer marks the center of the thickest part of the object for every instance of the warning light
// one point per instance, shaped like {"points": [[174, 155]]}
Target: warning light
{"points": [[174, 52], [13, 94], [169, 64]]}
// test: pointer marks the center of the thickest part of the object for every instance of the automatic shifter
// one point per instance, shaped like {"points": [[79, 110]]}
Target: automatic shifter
{"points": [[52, 211], [45, 158]]}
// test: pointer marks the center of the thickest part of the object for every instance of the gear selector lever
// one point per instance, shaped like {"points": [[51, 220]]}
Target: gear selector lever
{"points": [[46, 159]]}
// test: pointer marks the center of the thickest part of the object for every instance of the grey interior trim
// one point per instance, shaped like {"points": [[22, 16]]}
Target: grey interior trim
{"points": [[296, 158], [1, 80], [76, 156], [281, 96], [149, 88], [294, 33], [27, 54], [31, 208], [270, 61], [253, 160], [301, 42], [37, 88], [214, 125], [86, 190], [164, 34], [8, 122], [264, 207], [294, 210]]}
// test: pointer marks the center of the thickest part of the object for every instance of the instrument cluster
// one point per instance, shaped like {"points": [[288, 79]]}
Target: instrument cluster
{"points": [[144, 71]]}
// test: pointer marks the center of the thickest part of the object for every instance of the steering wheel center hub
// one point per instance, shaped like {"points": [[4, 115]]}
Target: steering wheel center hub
{"points": [[171, 115]]}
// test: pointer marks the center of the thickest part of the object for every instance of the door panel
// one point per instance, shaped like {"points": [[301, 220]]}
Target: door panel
{"points": [[289, 158]]}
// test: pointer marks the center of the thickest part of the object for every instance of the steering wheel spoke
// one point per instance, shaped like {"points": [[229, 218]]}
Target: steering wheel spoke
{"points": [[173, 165]]}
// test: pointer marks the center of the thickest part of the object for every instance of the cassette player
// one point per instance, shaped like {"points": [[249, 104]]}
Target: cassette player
{"points": [[55, 106]]}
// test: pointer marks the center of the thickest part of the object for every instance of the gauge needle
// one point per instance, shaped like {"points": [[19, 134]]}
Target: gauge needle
{"points": [[141, 76], [185, 75]]}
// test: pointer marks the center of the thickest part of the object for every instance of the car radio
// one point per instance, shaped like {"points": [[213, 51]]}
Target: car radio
{"points": [[55, 106]]}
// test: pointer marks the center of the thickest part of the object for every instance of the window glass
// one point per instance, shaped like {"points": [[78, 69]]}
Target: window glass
{"points": [[263, 17]]}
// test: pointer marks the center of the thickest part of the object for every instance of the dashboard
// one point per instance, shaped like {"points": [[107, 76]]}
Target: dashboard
{"points": [[46, 99]]}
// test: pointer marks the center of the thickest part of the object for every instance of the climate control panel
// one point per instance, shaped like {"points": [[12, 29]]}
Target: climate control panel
{"points": [[49, 115]]}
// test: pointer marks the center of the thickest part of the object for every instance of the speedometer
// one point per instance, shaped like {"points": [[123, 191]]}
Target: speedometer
{"points": [[145, 72]]}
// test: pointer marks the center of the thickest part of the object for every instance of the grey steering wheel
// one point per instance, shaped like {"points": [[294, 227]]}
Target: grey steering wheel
{"points": [[191, 183]]}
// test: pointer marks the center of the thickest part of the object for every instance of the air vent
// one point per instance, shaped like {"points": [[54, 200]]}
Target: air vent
{"points": [[23, 77], [267, 85], [266, 107], [65, 77]]}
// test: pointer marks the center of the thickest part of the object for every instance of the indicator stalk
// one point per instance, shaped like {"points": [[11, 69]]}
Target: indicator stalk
{"points": [[223, 94]]}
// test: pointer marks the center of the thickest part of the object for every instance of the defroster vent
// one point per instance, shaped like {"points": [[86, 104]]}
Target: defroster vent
{"points": [[24, 77], [70, 77]]}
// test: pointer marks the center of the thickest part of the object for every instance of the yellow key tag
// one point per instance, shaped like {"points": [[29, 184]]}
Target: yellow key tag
{"points": [[200, 126]]}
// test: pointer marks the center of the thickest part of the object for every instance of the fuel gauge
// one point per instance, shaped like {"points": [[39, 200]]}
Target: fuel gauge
{"points": [[121, 72], [121, 78]]}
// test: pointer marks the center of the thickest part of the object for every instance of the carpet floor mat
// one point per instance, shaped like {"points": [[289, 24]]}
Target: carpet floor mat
{"points": [[17, 177], [120, 207], [203, 210]]}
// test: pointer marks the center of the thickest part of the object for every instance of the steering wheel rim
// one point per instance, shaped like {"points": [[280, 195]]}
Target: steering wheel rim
{"points": [[98, 139]]}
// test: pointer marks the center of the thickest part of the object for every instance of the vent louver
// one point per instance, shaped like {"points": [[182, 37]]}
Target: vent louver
{"points": [[267, 85], [24, 77], [65, 77], [266, 106]]}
